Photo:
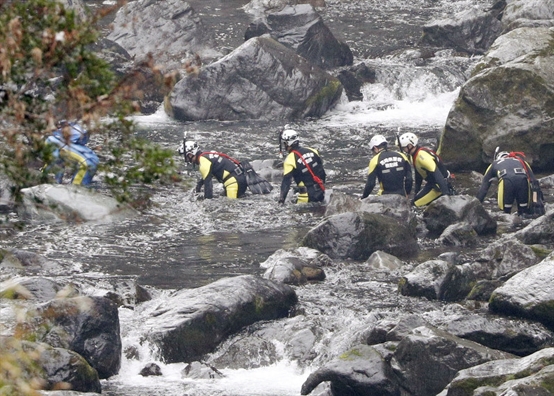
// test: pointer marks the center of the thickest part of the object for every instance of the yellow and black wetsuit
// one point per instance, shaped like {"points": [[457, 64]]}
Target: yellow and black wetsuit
{"points": [[214, 164], [393, 171], [294, 168], [513, 184], [429, 168]]}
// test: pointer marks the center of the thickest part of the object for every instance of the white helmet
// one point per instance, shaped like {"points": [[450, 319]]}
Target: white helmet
{"points": [[408, 138], [376, 141], [289, 137], [190, 150], [500, 155]]}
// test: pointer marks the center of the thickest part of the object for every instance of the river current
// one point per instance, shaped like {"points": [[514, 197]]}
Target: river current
{"points": [[184, 242]]}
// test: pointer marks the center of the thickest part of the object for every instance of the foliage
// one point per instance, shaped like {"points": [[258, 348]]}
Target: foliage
{"points": [[47, 73]]}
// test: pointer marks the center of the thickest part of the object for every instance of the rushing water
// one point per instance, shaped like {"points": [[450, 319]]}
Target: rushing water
{"points": [[183, 242]]}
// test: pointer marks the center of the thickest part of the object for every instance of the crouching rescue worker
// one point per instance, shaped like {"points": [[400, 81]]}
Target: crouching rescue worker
{"points": [[391, 168], [212, 164], [69, 144], [305, 166], [429, 167], [513, 174]]}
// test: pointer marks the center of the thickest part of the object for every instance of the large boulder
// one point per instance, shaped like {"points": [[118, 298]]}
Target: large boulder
{"points": [[531, 375], [448, 210], [427, 359], [527, 13], [471, 31], [193, 322], [540, 230], [168, 30], [438, 279], [86, 325], [509, 102], [301, 28], [360, 371], [54, 203], [528, 294], [45, 367], [358, 235], [261, 79]]}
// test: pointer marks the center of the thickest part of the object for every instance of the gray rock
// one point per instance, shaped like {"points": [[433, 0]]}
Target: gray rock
{"points": [[472, 31], [300, 28], [426, 360], [438, 279], [528, 294], [86, 325], [261, 79], [193, 322], [508, 103], [497, 377], [170, 30], [448, 210], [358, 235], [295, 267], [54, 203], [359, 371]]}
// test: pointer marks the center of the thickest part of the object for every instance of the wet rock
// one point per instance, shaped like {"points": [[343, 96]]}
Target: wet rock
{"points": [[54, 203], [539, 231], [358, 235], [171, 31], [383, 261], [449, 210], [438, 279], [426, 360], [193, 322], [49, 368], [30, 288], [295, 267], [261, 79], [247, 352], [531, 375], [151, 369], [86, 325], [471, 31], [528, 294], [359, 371], [300, 28], [200, 370], [461, 234], [506, 103], [517, 337], [505, 257], [524, 13], [393, 205]]}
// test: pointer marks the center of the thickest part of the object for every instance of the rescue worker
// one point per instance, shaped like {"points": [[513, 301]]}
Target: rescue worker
{"points": [[69, 143], [305, 166], [212, 164], [428, 167], [391, 168], [513, 174]]}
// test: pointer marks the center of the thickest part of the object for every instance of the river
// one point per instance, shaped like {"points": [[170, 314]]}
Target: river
{"points": [[183, 242]]}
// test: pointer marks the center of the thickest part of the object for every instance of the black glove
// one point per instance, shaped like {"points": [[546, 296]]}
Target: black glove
{"points": [[281, 202]]}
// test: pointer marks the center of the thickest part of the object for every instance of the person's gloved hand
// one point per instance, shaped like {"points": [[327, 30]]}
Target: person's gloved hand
{"points": [[281, 202], [181, 149]]}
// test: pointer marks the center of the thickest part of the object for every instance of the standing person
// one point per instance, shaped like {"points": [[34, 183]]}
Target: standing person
{"points": [[514, 175], [214, 164], [305, 166], [69, 143], [429, 167], [391, 168]]}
